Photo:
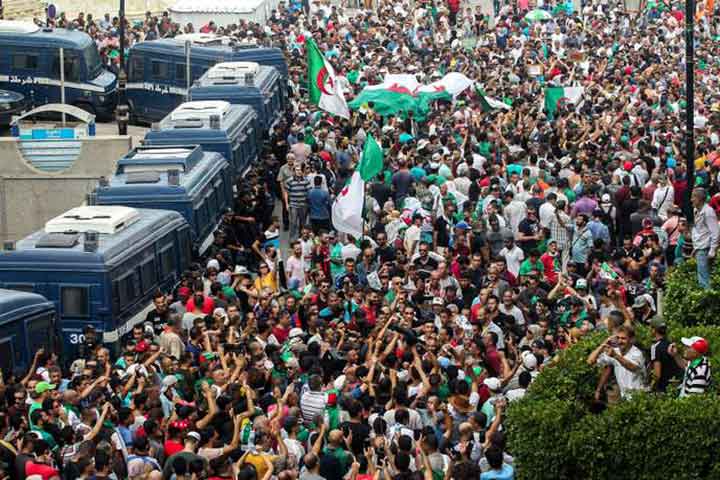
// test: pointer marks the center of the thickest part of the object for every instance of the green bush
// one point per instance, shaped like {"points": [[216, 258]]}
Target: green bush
{"points": [[553, 435], [685, 303]]}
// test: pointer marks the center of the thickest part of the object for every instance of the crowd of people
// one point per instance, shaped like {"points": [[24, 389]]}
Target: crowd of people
{"points": [[494, 239]]}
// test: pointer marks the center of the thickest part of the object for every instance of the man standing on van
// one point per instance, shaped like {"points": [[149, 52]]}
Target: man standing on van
{"points": [[296, 200]]}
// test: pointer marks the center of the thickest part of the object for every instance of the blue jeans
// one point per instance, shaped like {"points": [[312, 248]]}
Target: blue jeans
{"points": [[703, 267]]}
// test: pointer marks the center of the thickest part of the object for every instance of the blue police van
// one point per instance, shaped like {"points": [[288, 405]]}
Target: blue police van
{"points": [[185, 179], [244, 83], [100, 266], [27, 324], [30, 65], [217, 126], [157, 77]]}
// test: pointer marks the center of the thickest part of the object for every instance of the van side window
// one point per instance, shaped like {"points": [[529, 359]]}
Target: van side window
{"points": [[160, 70], [72, 67], [25, 62], [137, 69], [74, 301], [179, 72]]}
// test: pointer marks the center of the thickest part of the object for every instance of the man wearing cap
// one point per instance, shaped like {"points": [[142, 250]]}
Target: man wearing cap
{"points": [[42, 390], [663, 364], [697, 376], [704, 236], [643, 308]]}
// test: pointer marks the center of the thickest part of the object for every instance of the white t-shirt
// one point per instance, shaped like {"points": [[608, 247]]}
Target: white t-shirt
{"points": [[412, 238], [295, 268], [513, 257], [627, 380], [514, 312]]}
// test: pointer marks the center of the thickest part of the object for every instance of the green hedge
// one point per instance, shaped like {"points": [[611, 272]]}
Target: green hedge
{"points": [[685, 303], [553, 435]]}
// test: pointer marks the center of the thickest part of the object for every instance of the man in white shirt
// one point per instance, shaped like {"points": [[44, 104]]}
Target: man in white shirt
{"points": [[412, 235], [513, 255], [514, 210], [663, 197], [625, 359], [546, 212], [295, 266]]}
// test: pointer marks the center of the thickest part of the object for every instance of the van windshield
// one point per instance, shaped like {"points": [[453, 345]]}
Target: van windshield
{"points": [[92, 60]]}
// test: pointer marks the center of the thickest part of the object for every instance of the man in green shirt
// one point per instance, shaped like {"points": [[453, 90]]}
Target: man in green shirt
{"points": [[337, 267], [42, 391], [336, 448], [532, 263]]}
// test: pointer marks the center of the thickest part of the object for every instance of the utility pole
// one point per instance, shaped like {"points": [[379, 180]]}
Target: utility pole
{"points": [[690, 107], [122, 112]]}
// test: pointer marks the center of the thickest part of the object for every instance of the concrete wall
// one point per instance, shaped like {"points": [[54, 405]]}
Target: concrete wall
{"points": [[29, 197]]}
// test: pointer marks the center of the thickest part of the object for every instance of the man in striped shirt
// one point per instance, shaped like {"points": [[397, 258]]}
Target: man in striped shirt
{"points": [[295, 196], [697, 366], [313, 400]]}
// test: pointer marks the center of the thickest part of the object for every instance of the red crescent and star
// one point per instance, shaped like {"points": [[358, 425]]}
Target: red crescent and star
{"points": [[323, 78]]}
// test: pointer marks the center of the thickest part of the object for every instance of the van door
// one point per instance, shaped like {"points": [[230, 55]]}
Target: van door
{"points": [[138, 98]]}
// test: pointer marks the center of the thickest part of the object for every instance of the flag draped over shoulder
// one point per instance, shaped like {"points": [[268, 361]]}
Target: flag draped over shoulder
{"points": [[348, 205], [325, 92]]}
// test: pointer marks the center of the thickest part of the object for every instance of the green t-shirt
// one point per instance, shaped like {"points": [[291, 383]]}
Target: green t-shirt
{"points": [[526, 267], [342, 456], [33, 406], [570, 194], [336, 254]]}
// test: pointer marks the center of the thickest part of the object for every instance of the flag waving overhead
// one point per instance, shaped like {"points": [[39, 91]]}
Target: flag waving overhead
{"points": [[372, 159], [324, 89]]}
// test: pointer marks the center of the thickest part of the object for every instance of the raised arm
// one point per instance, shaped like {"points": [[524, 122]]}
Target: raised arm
{"points": [[212, 407]]}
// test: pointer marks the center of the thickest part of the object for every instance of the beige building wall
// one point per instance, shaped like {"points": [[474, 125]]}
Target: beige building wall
{"points": [[29, 197]]}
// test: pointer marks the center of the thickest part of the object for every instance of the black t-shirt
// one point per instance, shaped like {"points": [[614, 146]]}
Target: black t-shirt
{"points": [[528, 227], [386, 253], [669, 368], [360, 433], [158, 320], [20, 461], [442, 227], [428, 265], [381, 193]]}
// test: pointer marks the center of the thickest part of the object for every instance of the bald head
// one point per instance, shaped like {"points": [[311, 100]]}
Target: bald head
{"points": [[336, 437]]}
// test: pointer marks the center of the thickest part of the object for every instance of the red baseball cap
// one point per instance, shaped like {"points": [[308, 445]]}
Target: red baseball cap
{"points": [[698, 344]]}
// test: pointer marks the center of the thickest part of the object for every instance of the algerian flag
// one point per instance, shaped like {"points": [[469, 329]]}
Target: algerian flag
{"points": [[454, 83], [489, 103], [348, 205], [325, 92], [400, 94], [554, 94], [372, 159]]}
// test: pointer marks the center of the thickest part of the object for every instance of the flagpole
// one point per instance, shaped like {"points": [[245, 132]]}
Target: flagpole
{"points": [[362, 237]]}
